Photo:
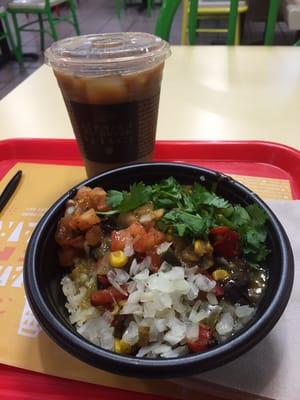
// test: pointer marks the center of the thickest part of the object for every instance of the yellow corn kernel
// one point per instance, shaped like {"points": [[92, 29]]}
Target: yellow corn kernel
{"points": [[122, 347], [199, 248], [118, 259], [208, 248], [220, 274], [116, 309]]}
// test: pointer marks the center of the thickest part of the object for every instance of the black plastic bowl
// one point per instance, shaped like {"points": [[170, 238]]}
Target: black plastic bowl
{"points": [[42, 277]]}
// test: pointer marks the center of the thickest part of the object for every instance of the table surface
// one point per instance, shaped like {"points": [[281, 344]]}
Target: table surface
{"points": [[208, 93]]}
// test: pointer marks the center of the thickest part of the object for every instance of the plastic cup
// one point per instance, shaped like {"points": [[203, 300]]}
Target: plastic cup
{"points": [[111, 87]]}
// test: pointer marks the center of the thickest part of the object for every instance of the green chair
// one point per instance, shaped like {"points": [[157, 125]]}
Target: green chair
{"points": [[193, 21], [165, 18], [169, 8], [6, 35], [212, 10], [274, 6], [44, 11], [124, 3]]}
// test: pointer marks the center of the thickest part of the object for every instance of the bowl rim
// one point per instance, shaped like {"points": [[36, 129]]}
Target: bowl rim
{"points": [[216, 356]]}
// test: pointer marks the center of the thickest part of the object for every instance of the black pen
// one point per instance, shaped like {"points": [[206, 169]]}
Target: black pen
{"points": [[9, 189]]}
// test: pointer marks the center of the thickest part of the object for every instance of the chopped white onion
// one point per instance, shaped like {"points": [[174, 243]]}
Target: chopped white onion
{"points": [[91, 328], [225, 324], [108, 317], [132, 309], [144, 350], [107, 339], [121, 276], [142, 276], [131, 287], [204, 283], [149, 310], [163, 348], [182, 350], [179, 306], [165, 267], [128, 249], [136, 267], [165, 300], [193, 292], [168, 282], [111, 276], [176, 333], [176, 273], [161, 324], [154, 334], [212, 299], [134, 297], [197, 313], [145, 218], [190, 272], [163, 247], [192, 331], [131, 334], [244, 311]]}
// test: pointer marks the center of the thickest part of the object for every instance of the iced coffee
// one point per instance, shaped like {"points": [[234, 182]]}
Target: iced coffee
{"points": [[112, 95]]}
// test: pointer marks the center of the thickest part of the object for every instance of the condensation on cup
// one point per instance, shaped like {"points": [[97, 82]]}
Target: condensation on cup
{"points": [[111, 87]]}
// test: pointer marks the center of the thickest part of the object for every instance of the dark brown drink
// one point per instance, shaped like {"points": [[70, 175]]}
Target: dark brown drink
{"points": [[112, 95], [114, 118]]}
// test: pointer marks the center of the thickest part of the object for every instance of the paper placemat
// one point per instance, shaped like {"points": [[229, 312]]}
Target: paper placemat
{"points": [[23, 343]]}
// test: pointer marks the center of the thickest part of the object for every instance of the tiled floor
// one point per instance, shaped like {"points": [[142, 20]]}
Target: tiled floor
{"points": [[97, 16]]}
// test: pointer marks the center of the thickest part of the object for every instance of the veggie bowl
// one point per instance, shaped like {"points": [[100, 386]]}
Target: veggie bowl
{"points": [[158, 269]]}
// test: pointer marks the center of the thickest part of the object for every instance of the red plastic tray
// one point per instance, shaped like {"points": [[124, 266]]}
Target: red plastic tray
{"points": [[252, 158]]}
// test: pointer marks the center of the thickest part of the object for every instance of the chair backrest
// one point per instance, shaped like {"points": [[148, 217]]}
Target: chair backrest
{"points": [[274, 6], [165, 18], [169, 8], [193, 16]]}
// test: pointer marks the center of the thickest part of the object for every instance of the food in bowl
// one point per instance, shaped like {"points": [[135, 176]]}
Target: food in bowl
{"points": [[161, 270]]}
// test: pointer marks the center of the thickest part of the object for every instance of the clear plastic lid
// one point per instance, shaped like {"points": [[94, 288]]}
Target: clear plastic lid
{"points": [[107, 53]]}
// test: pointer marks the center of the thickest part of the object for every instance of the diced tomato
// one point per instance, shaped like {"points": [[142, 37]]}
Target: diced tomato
{"points": [[119, 239], [225, 241], [77, 242], [219, 230], [142, 240], [107, 297], [93, 236], [136, 229], [201, 344], [159, 237], [219, 290], [155, 259], [98, 199], [146, 242], [67, 255], [143, 243]]}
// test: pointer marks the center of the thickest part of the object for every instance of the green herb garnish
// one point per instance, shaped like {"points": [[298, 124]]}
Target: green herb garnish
{"points": [[191, 211]]}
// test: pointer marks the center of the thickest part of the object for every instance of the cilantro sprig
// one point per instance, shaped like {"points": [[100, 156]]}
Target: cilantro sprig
{"points": [[191, 211], [123, 202]]}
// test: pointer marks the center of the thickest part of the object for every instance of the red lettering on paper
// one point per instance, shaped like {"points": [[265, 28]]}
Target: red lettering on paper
{"points": [[6, 253]]}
